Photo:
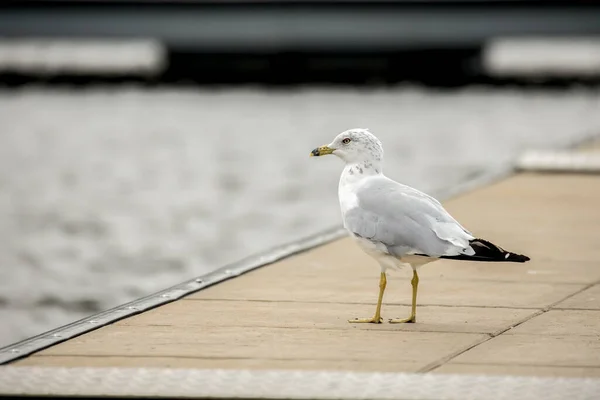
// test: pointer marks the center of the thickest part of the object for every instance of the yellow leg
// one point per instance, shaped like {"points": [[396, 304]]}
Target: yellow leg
{"points": [[377, 317], [413, 314]]}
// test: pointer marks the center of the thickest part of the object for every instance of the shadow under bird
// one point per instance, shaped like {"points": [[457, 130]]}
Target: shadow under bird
{"points": [[396, 224]]}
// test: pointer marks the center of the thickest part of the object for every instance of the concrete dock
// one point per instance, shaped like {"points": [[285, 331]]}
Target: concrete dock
{"points": [[539, 319]]}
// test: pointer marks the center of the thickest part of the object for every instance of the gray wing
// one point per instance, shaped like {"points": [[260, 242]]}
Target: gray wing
{"points": [[405, 220]]}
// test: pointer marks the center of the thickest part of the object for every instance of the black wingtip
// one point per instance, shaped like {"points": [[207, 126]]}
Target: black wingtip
{"points": [[516, 257], [487, 251]]}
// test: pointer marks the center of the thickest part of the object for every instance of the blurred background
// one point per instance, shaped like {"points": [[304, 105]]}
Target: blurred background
{"points": [[143, 143]]}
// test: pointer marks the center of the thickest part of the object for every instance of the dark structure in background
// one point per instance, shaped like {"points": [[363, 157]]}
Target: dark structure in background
{"points": [[286, 41]]}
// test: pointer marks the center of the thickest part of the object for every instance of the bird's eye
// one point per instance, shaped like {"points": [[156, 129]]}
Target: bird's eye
{"points": [[346, 141]]}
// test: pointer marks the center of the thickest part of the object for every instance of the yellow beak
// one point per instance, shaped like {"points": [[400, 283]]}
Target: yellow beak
{"points": [[321, 151]]}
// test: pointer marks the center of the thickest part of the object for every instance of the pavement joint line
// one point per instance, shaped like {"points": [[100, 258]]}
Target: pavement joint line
{"points": [[478, 280], [438, 363], [179, 356], [551, 306], [556, 335], [200, 358], [525, 319], [444, 360], [373, 328], [365, 304], [544, 310], [527, 365]]}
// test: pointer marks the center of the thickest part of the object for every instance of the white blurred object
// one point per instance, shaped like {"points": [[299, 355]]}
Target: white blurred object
{"points": [[559, 161], [51, 56], [543, 57]]}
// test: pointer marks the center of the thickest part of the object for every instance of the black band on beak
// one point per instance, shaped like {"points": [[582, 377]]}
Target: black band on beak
{"points": [[321, 151]]}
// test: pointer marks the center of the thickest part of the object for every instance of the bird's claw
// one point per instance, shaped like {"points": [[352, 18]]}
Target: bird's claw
{"points": [[374, 320], [409, 320]]}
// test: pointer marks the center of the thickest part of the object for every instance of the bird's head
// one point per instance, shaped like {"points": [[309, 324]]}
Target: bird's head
{"points": [[353, 146]]}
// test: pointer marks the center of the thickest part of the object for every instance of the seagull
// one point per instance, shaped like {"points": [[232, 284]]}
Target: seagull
{"points": [[396, 224]]}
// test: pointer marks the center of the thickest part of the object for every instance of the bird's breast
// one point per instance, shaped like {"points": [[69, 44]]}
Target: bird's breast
{"points": [[347, 197], [347, 190]]}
